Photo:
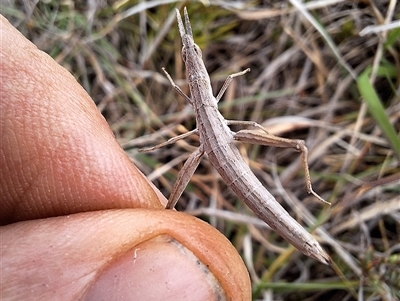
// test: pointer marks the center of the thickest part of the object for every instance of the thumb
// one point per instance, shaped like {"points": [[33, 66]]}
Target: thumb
{"points": [[126, 254]]}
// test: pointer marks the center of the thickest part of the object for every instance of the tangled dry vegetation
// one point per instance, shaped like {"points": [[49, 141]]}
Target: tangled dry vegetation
{"points": [[313, 77]]}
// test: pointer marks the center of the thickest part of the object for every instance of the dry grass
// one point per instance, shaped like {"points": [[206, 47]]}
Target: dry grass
{"points": [[302, 85]]}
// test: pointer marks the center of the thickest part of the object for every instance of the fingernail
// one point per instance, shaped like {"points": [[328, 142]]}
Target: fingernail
{"points": [[158, 269]]}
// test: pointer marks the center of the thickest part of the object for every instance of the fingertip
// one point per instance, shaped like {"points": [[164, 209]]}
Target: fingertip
{"points": [[124, 253], [59, 155], [157, 269]]}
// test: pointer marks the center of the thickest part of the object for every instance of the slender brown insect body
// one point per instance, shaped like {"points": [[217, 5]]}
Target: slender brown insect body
{"points": [[217, 141]]}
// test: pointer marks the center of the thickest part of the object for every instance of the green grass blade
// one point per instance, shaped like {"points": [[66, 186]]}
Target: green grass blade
{"points": [[376, 108]]}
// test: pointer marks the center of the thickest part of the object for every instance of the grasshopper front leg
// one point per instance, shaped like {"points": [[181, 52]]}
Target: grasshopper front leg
{"points": [[227, 82], [169, 141]]}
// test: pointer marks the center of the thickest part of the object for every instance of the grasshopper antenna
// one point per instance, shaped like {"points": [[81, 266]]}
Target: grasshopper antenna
{"points": [[187, 23], [182, 30], [180, 23]]}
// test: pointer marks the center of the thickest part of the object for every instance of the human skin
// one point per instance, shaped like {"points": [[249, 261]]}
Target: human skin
{"points": [[79, 221]]}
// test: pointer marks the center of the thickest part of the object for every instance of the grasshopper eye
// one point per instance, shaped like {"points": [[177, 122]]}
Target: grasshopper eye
{"points": [[184, 54], [197, 50]]}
